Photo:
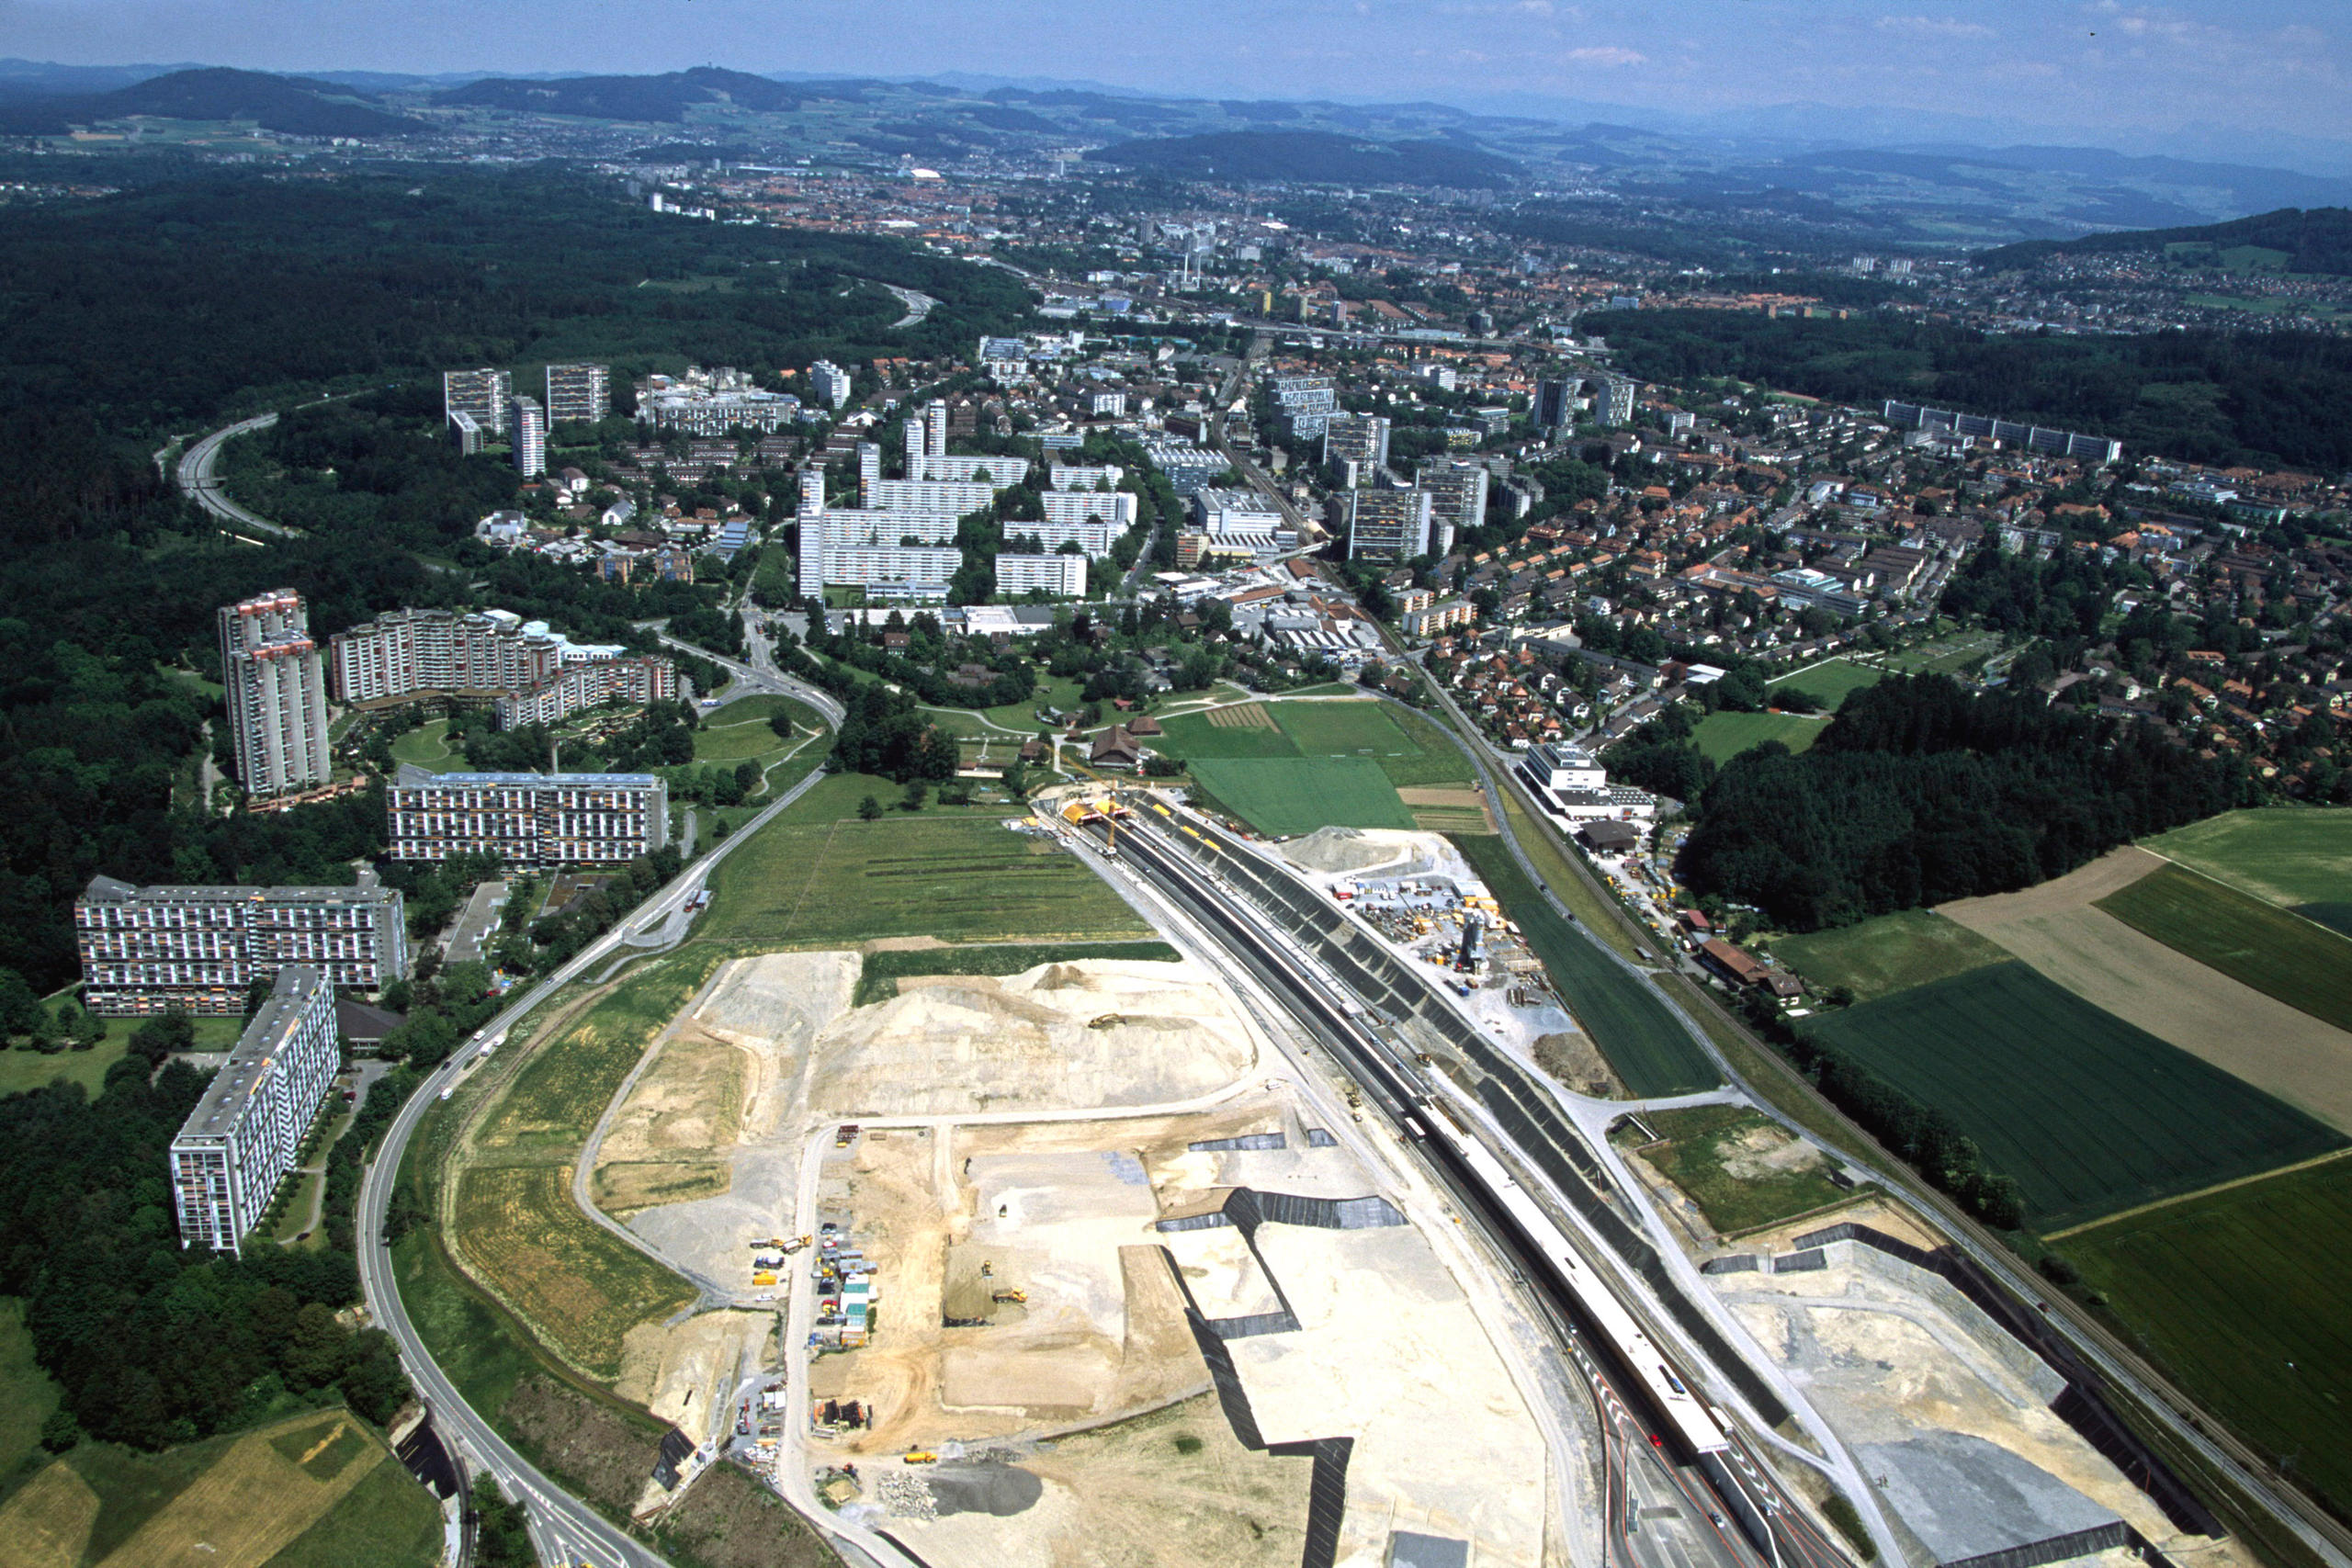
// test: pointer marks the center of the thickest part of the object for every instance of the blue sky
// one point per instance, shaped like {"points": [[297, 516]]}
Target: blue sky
{"points": [[2119, 67]]}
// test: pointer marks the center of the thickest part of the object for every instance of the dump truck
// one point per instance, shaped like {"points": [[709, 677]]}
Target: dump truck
{"points": [[919, 1455]]}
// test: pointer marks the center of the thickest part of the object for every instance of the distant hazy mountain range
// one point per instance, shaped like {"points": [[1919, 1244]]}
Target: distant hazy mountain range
{"points": [[1824, 190]]}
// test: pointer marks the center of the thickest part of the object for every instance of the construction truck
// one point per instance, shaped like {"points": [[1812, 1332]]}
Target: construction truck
{"points": [[919, 1455], [763, 1278], [845, 1135], [1018, 1298]]}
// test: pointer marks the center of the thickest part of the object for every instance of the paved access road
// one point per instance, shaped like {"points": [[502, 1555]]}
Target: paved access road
{"points": [[564, 1529]]}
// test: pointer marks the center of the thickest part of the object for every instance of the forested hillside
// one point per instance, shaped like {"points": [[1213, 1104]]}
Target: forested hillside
{"points": [[2272, 400], [2318, 240], [184, 303]]}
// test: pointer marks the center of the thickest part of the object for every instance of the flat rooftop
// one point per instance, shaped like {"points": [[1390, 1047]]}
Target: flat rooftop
{"points": [[250, 1060]]}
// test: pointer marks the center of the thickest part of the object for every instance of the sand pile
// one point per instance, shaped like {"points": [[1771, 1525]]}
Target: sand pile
{"points": [[1059, 1037], [1335, 849]]}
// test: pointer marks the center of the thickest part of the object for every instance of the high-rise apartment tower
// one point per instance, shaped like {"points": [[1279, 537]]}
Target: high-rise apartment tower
{"points": [[276, 694]]}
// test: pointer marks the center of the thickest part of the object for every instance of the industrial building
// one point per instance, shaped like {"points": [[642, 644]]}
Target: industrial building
{"points": [[149, 949], [528, 819], [246, 1132], [276, 694]]}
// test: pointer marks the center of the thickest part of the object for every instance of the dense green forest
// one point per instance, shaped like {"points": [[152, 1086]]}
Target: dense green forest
{"points": [[2277, 397], [152, 1345], [1918, 793], [193, 297]]}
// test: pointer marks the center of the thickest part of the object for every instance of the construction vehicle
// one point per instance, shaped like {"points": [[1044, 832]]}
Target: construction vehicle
{"points": [[796, 1244], [845, 1135], [919, 1455], [1018, 1298], [764, 1279]]}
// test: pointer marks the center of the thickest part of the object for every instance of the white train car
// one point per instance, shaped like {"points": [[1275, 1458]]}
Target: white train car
{"points": [[1679, 1405]]}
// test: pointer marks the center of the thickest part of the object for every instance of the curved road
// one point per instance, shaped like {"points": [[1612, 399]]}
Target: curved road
{"points": [[196, 481], [563, 1529]]}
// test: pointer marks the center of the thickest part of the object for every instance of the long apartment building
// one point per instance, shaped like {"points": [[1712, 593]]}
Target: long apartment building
{"points": [[536, 676], [1062, 577], [856, 546], [147, 950], [276, 694], [528, 819], [246, 1132]]}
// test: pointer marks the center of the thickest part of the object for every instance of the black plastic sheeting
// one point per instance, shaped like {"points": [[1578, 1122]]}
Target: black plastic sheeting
{"points": [[1326, 1498], [2083, 1404], [428, 1460], [1247, 1141], [1317, 1138]]}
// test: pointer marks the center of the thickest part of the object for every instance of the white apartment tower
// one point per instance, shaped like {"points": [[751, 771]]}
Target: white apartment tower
{"points": [[578, 394], [276, 694], [529, 423], [483, 394], [1458, 493], [869, 471], [830, 382], [245, 1133], [934, 429]]}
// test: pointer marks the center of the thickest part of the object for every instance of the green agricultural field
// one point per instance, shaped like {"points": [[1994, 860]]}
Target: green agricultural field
{"points": [[1247, 730], [1828, 682], [1723, 736], [2240, 1296], [1639, 1034], [1891, 953], [1720, 1155], [1435, 761], [962, 878], [1408, 748], [2305, 965], [1282, 795], [2285, 854], [427, 745], [389, 1520], [2089, 1114]]}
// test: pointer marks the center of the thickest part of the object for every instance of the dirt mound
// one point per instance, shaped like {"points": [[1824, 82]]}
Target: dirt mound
{"points": [[1059, 1037], [1340, 849]]}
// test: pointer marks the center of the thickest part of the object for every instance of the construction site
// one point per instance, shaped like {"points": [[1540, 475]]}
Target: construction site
{"points": [[1060, 1266]]}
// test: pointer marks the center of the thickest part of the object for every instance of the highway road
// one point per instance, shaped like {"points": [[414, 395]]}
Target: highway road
{"points": [[197, 482], [563, 1529]]}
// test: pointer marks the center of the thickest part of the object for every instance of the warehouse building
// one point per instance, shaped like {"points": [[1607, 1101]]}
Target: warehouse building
{"points": [[528, 819], [246, 1132], [147, 950]]}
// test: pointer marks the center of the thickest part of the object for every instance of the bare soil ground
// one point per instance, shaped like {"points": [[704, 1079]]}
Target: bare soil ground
{"points": [[1170, 1489], [1890, 1353], [670, 1140], [675, 1372], [1061, 1037], [2257, 1038], [1572, 1058]]}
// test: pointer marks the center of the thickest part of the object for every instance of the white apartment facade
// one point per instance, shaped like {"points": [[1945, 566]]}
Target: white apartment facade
{"points": [[275, 695], [528, 819], [246, 1132]]}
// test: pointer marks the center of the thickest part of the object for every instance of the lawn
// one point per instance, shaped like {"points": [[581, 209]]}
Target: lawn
{"points": [[1710, 1152], [389, 1520], [2286, 855], [1828, 682], [1280, 796], [1639, 1034], [427, 745], [22, 1070], [1891, 953], [2305, 965], [1723, 736], [1245, 730], [807, 881], [740, 730], [26, 1394], [2087, 1114], [2240, 1295], [1406, 746]]}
